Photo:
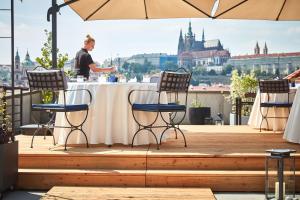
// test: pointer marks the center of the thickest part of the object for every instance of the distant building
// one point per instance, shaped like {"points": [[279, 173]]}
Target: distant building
{"points": [[156, 59], [215, 68], [20, 69], [285, 63], [204, 52]]}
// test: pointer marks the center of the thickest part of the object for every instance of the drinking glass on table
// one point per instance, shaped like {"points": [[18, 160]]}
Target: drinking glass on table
{"points": [[80, 78], [101, 78]]}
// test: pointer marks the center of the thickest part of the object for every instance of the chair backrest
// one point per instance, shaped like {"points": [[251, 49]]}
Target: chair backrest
{"points": [[175, 81], [274, 86], [51, 80], [154, 79]]}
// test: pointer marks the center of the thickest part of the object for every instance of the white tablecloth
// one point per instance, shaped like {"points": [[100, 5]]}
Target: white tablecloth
{"points": [[292, 131], [110, 118], [274, 124]]}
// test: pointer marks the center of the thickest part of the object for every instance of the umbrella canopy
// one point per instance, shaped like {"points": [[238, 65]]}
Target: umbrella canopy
{"points": [[141, 9], [285, 10]]}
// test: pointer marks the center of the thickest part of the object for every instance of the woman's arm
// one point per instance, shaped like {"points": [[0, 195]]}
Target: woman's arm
{"points": [[94, 68]]}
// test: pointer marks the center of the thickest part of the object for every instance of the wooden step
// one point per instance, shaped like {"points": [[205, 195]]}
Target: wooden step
{"points": [[221, 181], [44, 179], [247, 181], [95, 193], [142, 162], [82, 161]]}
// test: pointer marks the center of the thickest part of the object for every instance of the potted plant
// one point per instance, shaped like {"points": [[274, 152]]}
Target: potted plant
{"points": [[241, 85], [198, 113], [8, 149]]}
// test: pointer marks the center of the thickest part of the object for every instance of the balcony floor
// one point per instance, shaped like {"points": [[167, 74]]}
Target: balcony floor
{"points": [[201, 139], [223, 158]]}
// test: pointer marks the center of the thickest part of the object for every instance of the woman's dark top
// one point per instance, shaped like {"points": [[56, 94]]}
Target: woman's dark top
{"points": [[82, 61]]}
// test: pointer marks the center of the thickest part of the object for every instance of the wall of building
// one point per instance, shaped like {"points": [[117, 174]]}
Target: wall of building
{"points": [[213, 99]]}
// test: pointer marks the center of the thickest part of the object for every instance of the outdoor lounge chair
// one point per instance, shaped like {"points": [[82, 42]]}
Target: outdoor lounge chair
{"points": [[273, 87], [172, 82], [54, 81]]}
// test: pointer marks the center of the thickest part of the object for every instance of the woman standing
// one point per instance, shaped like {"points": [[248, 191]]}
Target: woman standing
{"points": [[84, 62]]}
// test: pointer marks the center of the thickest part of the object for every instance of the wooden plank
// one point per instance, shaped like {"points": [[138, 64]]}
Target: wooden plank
{"points": [[42, 179], [92, 193], [88, 161], [218, 181]]}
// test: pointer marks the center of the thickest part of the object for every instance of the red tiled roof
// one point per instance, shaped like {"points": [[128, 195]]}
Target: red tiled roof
{"points": [[204, 54], [215, 88], [295, 74], [293, 54]]}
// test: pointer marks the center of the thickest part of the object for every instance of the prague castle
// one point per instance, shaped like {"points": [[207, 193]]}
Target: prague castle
{"points": [[269, 63], [204, 52]]}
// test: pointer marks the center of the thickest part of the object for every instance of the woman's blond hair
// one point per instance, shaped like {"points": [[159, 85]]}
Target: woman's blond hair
{"points": [[89, 39]]}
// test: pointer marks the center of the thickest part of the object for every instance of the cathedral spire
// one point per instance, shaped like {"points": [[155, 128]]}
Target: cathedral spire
{"points": [[190, 33], [180, 43], [265, 50], [256, 49], [203, 37]]}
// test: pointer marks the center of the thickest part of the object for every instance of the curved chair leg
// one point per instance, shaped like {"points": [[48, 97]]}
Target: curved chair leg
{"points": [[150, 130], [132, 141], [45, 132], [35, 132], [157, 144], [183, 137], [86, 139], [47, 127], [175, 133], [68, 138], [162, 134]]}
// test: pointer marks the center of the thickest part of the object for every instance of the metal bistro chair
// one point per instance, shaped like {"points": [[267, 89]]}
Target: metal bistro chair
{"points": [[172, 82], [273, 87], [54, 81]]}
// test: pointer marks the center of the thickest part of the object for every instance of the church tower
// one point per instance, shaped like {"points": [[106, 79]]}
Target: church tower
{"points": [[203, 37], [189, 39], [18, 68], [180, 44], [17, 61], [256, 49], [265, 50]]}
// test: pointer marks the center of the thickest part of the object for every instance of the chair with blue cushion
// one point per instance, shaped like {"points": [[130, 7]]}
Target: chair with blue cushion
{"points": [[173, 83], [54, 82], [273, 87]]}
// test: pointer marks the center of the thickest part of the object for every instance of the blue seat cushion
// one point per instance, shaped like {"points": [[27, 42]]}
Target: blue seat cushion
{"points": [[158, 107], [276, 104], [60, 107]]}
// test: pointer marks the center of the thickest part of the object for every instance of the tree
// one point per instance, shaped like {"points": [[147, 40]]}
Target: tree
{"points": [[170, 66], [199, 70], [228, 69], [46, 60], [212, 73]]}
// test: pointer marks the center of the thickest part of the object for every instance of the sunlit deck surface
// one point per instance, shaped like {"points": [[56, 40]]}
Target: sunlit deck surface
{"points": [[201, 140], [222, 158]]}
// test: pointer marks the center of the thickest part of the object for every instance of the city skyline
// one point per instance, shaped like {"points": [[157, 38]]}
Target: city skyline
{"points": [[128, 37]]}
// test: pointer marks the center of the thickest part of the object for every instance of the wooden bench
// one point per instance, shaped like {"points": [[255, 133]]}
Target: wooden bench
{"points": [[105, 193]]}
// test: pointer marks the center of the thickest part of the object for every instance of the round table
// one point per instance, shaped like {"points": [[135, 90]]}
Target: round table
{"points": [[292, 130], [110, 117], [275, 124]]}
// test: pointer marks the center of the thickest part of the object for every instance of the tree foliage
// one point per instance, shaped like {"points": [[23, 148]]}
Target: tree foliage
{"points": [[45, 60]]}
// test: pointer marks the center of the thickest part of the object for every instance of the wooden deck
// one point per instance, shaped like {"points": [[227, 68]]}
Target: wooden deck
{"points": [[93, 193], [223, 158]]}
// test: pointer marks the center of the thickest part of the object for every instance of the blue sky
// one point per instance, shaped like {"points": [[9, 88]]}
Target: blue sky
{"points": [[128, 37]]}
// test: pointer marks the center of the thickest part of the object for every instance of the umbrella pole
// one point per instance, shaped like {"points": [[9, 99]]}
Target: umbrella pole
{"points": [[12, 69], [54, 10]]}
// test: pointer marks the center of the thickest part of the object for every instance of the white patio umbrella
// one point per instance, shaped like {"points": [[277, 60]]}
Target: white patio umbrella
{"points": [[141, 9], [283, 10]]}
